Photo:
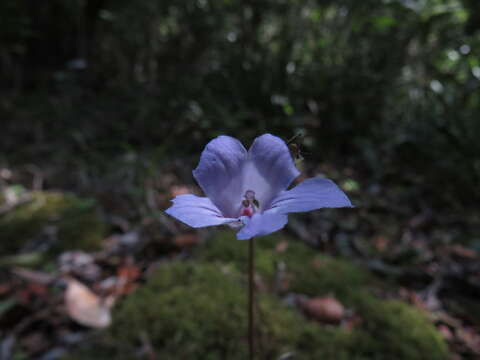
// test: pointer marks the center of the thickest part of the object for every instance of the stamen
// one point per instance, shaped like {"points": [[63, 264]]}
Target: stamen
{"points": [[249, 195]]}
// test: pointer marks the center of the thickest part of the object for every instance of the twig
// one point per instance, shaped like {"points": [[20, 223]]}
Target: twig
{"points": [[34, 276]]}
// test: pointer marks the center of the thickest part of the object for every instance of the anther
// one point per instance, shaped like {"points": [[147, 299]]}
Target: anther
{"points": [[249, 195]]}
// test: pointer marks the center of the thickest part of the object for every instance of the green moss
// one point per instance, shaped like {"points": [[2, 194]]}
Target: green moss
{"points": [[197, 310], [224, 248], [71, 220], [309, 272], [397, 331], [388, 330]]}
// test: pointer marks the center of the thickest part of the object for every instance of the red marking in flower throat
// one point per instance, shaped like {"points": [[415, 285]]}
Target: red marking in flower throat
{"points": [[247, 212], [249, 204]]}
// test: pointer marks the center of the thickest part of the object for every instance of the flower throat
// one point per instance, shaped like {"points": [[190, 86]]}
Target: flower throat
{"points": [[250, 205]]}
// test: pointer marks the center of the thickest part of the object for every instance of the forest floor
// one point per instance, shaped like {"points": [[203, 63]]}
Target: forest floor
{"points": [[68, 260]]}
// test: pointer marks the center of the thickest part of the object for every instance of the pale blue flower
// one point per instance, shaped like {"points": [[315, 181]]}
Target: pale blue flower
{"points": [[248, 189]]}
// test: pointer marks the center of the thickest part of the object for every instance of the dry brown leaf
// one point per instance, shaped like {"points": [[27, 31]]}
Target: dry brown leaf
{"points": [[126, 277], [445, 331], [352, 322], [5, 288], [325, 309], [176, 190], [317, 263], [186, 240], [30, 292], [463, 252], [281, 246], [85, 307], [381, 242]]}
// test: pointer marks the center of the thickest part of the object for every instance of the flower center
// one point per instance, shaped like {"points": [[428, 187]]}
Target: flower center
{"points": [[250, 205]]}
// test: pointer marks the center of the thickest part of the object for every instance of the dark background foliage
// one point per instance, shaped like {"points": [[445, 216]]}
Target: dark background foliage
{"points": [[388, 88]]}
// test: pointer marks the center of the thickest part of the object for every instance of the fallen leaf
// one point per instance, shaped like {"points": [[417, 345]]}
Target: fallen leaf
{"points": [[325, 309], [5, 288], [176, 190], [185, 240], [281, 246], [463, 252], [128, 272], [352, 322], [317, 263], [381, 242], [126, 277], [445, 331], [30, 292], [85, 307]]}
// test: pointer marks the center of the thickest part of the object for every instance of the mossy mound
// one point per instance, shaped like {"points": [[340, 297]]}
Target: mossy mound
{"points": [[387, 330], [197, 310], [51, 222], [305, 266]]}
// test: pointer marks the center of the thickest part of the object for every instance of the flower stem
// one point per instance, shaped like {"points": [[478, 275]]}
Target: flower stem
{"points": [[251, 297]]}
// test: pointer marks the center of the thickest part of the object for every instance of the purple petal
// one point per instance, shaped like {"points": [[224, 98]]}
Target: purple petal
{"points": [[261, 224], [196, 211], [269, 169], [219, 173], [311, 194]]}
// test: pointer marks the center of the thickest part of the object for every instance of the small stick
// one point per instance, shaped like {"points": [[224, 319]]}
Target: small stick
{"points": [[251, 293]]}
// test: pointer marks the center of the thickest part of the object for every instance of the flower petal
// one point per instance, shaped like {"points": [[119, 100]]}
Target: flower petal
{"points": [[311, 194], [261, 224], [269, 169], [197, 211], [219, 173]]}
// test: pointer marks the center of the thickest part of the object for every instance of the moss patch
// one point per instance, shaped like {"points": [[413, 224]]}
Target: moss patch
{"points": [[306, 268], [51, 222], [197, 310], [388, 329]]}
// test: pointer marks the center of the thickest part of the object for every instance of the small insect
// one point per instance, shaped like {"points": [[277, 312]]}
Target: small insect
{"points": [[295, 148]]}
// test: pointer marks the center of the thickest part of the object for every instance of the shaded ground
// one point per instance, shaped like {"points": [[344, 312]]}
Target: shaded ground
{"points": [[55, 287]]}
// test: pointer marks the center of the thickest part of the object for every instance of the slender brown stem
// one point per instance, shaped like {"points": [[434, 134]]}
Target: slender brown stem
{"points": [[251, 298]]}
